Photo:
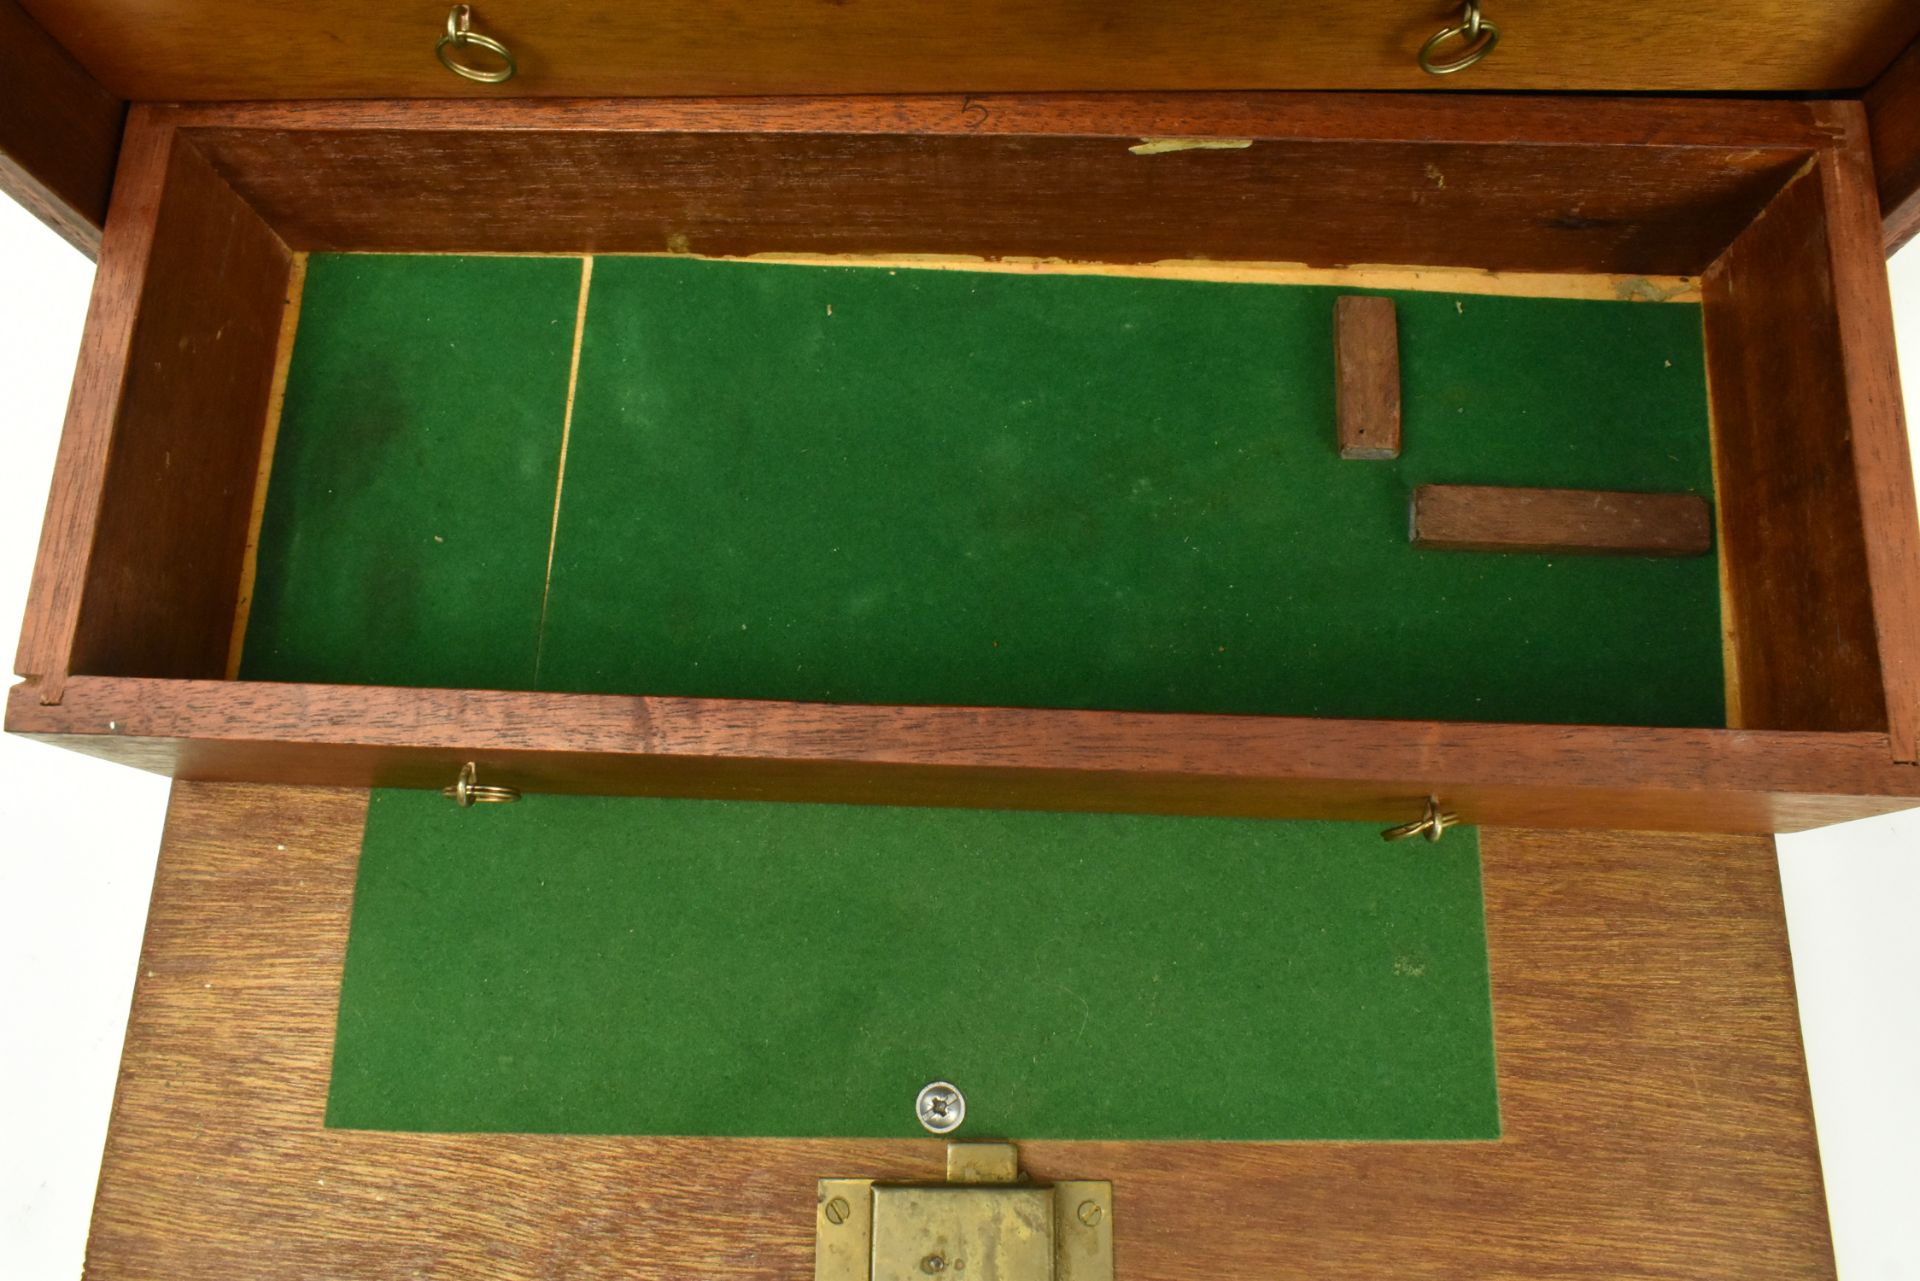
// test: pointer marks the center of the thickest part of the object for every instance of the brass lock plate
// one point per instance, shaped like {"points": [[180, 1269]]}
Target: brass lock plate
{"points": [[981, 1225]]}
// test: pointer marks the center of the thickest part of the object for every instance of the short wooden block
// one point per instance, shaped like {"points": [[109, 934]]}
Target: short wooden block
{"points": [[1590, 522], [1366, 346]]}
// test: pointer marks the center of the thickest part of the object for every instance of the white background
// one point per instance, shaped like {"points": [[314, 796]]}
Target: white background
{"points": [[78, 838]]}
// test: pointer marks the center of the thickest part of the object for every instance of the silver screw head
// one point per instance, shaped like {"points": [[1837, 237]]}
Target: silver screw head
{"points": [[941, 1108]]}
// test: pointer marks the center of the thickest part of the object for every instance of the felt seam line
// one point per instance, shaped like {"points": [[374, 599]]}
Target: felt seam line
{"points": [[560, 474], [276, 405]]}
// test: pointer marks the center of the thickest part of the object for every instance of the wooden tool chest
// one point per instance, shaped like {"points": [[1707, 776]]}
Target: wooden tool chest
{"points": [[1655, 1113]]}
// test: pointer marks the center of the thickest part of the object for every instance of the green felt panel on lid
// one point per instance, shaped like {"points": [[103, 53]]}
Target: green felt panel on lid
{"points": [[634, 966]]}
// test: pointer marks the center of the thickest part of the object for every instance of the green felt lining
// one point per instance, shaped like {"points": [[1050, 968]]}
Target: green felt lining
{"points": [[404, 540], [631, 966], [877, 485]]}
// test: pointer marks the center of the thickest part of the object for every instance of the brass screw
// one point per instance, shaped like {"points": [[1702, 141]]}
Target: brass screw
{"points": [[933, 1265], [837, 1210], [1090, 1213]]}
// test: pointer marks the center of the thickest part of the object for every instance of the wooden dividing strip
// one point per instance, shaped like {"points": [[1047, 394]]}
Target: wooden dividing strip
{"points": [[1493, 518], [996, 758], [1366, 353], [1893, 121], [59, 132], [1647, 1043], [1862, 306]]}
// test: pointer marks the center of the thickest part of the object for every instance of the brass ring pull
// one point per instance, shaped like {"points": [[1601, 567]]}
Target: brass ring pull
{"points": [[1479, 35], [1431, 825], [460, 35], [469, 791]]}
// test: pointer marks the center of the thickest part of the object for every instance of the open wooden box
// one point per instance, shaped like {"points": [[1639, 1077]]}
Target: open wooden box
{"points": [[1772, 203]]}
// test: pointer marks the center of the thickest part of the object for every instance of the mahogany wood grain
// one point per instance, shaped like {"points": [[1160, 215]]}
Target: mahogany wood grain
{"points": [[1002, 758], [147, 522], [224, 49], [163, 572], [1366, 363], [1503, 518], [80, 466], [1655, 1113], [1801, 611], [1876, 417], [1711, 124], [59, 132], [1626, 187], [1893, 118]]}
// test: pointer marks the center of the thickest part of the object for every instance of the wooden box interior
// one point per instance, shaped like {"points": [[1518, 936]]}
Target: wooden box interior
{"points": [[1770, 204]]}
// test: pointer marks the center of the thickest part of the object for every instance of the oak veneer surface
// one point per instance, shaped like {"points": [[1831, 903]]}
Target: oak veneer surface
{"points": [[59, 132], [1893, 117], [213, 49], [1655, 1107]]}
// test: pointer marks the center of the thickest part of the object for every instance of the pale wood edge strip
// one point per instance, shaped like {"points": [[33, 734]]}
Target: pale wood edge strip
{"points": [[1883, 465], [276, 402], [560, 471], [1470, 281], [80, 465]]}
